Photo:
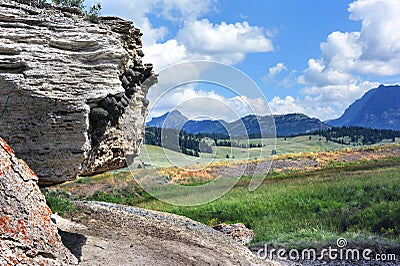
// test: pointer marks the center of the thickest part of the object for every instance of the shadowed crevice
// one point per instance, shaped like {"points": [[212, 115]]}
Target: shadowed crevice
{"points": [[74, 242]]}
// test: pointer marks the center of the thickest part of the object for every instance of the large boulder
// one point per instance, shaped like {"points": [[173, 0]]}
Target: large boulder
{"points": [[72, 94], [27, 234]]}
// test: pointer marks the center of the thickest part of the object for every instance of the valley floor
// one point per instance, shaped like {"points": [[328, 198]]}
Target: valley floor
{"points": [[309, 200]]}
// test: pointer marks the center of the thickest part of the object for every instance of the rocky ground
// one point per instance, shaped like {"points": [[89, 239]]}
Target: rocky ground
{"points": [[110, 234]]}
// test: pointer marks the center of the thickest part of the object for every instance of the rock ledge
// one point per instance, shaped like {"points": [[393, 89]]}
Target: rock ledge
{"points": [[67, 87]]}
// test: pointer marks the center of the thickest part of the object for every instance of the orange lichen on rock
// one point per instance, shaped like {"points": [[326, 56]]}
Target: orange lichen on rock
{"points": [[4, 222], [6, 146], [25, 226]]}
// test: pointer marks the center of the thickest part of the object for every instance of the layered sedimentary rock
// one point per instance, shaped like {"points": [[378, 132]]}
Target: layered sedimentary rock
{"points": [[239, 232], [72, 93], [27, 235]]}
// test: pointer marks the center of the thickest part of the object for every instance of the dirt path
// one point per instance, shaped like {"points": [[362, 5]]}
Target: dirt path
{"points": [[110, 234]]}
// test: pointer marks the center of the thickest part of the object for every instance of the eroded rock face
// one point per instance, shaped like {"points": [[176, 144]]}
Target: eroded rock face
{"points": [[238, 232], [27, 235], [67, 89]]}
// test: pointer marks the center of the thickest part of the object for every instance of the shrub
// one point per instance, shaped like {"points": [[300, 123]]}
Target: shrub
{"points": [[94, 13], [213, 222], [70, 3], [58, 202]]}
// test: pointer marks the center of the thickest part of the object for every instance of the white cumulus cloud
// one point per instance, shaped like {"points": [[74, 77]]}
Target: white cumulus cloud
{"points": [[190, 36], [203, 40], [168, 53], [274, 71], [326, 102], [204, 37], [374, 50], [183, 10], [205, 104], [286, 105], [338, 77], [308, 105]]}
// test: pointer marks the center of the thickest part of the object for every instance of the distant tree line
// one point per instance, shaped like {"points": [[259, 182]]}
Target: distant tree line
{"points": [[191, 144], [194, 144], [180, 141], [237, 144], [365, 136]]}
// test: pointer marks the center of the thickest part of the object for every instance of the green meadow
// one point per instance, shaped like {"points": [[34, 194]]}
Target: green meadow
{"points": [[159, 157], [359, 201]]}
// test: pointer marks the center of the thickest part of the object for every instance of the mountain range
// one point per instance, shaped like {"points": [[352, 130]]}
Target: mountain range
{"points": [[379, 109], [286, 125]]}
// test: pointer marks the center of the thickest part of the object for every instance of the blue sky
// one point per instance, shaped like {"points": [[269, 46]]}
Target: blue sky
{"points": [[310, 56]]}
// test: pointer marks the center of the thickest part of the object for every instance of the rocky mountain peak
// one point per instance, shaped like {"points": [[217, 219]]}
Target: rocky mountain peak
{"points": [[378, 108]]}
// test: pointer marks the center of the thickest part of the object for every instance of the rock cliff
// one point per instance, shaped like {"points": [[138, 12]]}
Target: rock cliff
{"points": [[27, 235], [379, 108], [72, 98]]}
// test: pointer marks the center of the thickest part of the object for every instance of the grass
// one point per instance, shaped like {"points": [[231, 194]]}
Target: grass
{"points": [[301, 144], [59, 203], [358, 201], [130, 194], [158, 157]]}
